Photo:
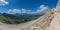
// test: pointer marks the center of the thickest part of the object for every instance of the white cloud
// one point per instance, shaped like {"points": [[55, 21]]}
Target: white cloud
{"points": [[42, 8], [3, 2], [20, 11], [14, 11]]}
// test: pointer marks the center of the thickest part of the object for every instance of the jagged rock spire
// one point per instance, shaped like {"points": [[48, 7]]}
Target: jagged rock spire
{"points": [[47, 11]]}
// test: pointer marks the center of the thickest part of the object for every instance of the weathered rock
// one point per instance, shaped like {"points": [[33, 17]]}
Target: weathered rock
{"points": [[41, 23], [55, 24]]}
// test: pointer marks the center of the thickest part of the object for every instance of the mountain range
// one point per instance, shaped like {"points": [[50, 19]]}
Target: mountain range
{"points": [[17, 18]]}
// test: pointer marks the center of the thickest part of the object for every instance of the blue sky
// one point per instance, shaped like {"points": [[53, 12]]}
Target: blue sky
{"points": [[33, 5]]}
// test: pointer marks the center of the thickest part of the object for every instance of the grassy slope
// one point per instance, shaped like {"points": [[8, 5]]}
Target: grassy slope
{"points": [[15, 20]]}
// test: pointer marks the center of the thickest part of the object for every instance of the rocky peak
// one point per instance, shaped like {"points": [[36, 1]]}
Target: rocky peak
{"points": [[47, 11], [58, 6]]}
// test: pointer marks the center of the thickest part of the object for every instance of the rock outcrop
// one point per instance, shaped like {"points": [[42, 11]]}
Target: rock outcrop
{"points": [[41, 23], [55, 23], [50, 21]]}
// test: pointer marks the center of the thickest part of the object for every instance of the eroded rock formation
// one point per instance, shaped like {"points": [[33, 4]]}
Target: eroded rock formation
{"points": [[50, 21], [41, 23]]}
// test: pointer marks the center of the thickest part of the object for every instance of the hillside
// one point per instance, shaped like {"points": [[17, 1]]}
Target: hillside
{"points": [[14, 19]]}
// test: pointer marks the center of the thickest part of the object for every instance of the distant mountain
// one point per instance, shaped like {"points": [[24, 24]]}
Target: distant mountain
{"points": [[17, 18], [27, 15]]}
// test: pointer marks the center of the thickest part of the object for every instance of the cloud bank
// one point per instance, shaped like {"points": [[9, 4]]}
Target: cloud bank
{"points": [[3, 2], [20, 11]]}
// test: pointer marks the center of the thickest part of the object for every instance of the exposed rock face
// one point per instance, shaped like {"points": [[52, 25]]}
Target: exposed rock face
{"points": [[55, 24], [41, 23], [58, 4], [50, 21]]}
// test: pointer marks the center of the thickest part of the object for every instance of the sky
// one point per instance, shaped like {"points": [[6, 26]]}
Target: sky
{"points": [[26, 6]]}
